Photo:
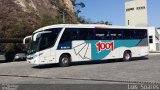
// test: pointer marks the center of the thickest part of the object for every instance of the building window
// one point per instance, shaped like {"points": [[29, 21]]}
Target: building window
{"points": [[130, 9], [140, 8], [150, 39], [128, 22]]}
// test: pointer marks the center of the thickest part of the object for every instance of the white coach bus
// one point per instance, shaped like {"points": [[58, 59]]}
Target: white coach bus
{"points": [[66, 43]]}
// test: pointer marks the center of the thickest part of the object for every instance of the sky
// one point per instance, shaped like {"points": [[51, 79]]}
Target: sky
{"points": [[114, 11]]}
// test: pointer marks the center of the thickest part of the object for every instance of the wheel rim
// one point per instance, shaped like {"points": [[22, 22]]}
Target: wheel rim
{"points": [[65, 60], [127, 56]]}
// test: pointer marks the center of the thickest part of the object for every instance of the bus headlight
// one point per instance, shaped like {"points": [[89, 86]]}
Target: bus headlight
{"points": [[30, 57]]}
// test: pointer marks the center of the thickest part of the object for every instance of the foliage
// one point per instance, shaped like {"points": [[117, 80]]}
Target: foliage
{"points": [[21, 30], [18, 31], [83, 20], [47, 20], [17, 24], [9, 47], [103, 22], [78, 6]]}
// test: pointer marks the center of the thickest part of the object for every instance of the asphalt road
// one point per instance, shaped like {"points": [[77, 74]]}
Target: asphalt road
{"points": [[140, 70]]}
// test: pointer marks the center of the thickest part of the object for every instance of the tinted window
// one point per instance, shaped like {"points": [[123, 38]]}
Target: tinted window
{"points": [[77, 34], [102, 34], [69, 34], [47, 40], [108, 34], [86, 34], [115, 33], [140, 34], [134, 34], [128, 34]]}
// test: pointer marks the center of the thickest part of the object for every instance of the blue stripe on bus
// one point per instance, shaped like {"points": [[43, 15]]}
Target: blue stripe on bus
{"points": [[65, 46], [95, 55], [117, 43]]}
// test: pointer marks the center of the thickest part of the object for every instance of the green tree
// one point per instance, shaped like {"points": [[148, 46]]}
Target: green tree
{"points": [[103, 22], [48, 20], [83, 20], [78, 6]]}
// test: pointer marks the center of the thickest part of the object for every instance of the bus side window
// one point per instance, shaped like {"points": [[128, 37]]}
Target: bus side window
{"points": [[102, 34], [74, 34], [140, 34], [116, 33], [128, 34], [69, 35], [43, 43], [48, 40], [86, 34], [108, 34], [66, 36]]}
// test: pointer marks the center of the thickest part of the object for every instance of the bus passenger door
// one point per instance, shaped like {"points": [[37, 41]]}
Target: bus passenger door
{"points": [[44, 49]]}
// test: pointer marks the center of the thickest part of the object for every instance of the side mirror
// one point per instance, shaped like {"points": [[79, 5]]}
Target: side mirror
{"points": [[37, 35], [24, 40]]}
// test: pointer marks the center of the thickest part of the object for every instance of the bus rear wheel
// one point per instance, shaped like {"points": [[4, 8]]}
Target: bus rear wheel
{"points": [[127, 56], [65, 60]]}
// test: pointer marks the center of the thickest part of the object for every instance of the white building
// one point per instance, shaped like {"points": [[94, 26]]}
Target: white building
{"points": [[136, 16], [136, 13], [158, 30], [154, 39]]}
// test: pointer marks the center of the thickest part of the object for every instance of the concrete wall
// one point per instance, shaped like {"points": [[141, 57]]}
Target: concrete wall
{"points": [[155, 46], [151, 32], [158, 30]]}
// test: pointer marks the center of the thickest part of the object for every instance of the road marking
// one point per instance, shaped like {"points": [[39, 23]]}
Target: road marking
{"points": [[104, 80]]}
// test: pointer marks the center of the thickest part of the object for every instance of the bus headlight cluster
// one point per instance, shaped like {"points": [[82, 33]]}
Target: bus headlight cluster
{"points": [[30, 57]]}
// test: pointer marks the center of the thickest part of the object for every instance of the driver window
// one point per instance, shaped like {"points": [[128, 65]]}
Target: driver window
{"points": [[43, 43], [46, 41]]}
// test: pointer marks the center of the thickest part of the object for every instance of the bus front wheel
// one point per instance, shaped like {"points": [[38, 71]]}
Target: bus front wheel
{"points": [[127, 56], [65, 60]]}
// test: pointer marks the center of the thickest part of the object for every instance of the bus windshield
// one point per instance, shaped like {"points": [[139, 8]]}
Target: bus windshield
{"points": [[33, 46], [43, 40]]}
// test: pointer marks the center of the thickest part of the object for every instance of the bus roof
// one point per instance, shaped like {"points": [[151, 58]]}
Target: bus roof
{"points": [[85, 26]]}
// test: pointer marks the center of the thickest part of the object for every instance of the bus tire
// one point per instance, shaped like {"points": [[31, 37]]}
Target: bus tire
{"points": [[127, 56], [64, 60]]}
